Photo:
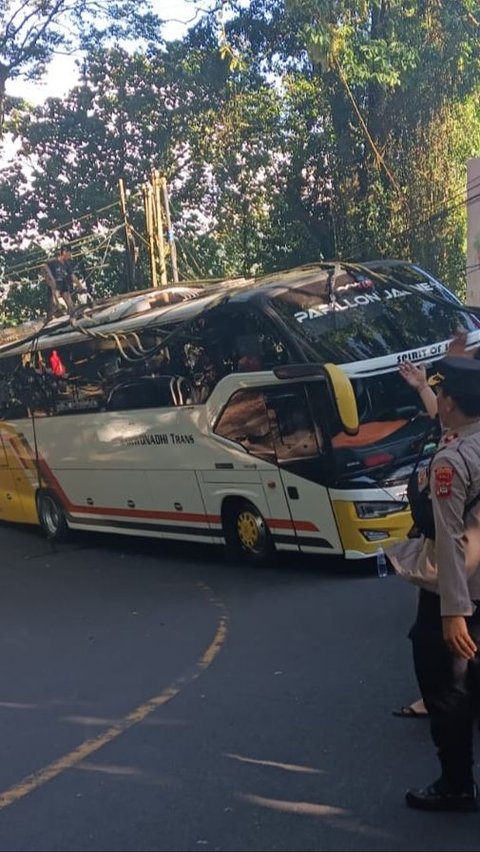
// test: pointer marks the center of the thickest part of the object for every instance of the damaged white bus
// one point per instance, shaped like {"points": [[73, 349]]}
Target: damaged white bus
{"points": [[267, 415]]}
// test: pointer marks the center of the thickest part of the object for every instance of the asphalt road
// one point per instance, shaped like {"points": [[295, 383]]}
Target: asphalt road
{"points": [[153, 697]]}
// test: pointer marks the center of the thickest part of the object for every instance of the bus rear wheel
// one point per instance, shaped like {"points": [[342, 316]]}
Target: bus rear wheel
{"points": [[247, 535], [51, 516]]}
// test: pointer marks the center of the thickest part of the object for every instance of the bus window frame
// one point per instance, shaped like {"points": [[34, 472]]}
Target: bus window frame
{"points": [[259, 390], [321, 432], [272, 395], [292, 345]]}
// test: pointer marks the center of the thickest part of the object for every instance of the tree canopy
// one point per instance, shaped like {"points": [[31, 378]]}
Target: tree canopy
{"points": [[32, 31]]}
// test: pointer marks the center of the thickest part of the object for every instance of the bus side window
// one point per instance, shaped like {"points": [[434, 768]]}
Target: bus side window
{"points": [[75, 374], [12, 405], [244, 420], [150, 392], [22, 391], [292, 422], [270, 348]]}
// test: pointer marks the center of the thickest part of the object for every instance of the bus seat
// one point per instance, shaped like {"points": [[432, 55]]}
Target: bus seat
{"points": [[146, 392], [150, 392], [368, 433]]}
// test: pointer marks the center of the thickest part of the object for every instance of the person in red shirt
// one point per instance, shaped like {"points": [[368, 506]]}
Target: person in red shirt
{"points": [[56, 364]]}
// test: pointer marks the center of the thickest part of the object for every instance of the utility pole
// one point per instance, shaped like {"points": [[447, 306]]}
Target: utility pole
{"points": [[170, 234], [473, 232], [147, 191], [130, 247], [156, 184]]}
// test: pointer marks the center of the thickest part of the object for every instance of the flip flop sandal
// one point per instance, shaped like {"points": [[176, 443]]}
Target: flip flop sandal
{"points": [[408, 712]]}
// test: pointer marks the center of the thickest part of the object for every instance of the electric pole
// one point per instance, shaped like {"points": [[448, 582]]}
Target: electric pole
{"points": [[147, 191], [170, 234], [130, 247], [156, 184]]}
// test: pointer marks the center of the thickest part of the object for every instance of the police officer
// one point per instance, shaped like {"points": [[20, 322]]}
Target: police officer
{"points": [[446, 634]]}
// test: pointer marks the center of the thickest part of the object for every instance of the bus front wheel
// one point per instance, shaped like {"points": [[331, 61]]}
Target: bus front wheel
{"points": [[247, 535], [51, 516]]}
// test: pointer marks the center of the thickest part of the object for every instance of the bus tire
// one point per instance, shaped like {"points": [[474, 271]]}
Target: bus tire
{"points": [[51, 516], [247, 535]]}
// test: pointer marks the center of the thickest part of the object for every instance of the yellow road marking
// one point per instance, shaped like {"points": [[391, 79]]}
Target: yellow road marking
{"points": [[139, 714]]}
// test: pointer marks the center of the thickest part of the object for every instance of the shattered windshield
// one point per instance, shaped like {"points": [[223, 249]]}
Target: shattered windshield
{"points": [[356, 317], [393, 426]]}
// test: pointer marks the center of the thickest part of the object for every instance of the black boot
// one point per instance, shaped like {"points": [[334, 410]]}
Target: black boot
{"points": [[440, 796]]}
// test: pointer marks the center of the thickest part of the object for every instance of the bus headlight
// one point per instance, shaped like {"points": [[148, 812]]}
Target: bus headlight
{"points": [[378, 509]]}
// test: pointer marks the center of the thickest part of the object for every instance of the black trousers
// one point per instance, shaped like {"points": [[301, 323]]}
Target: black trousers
{"points": [[450, 688]]}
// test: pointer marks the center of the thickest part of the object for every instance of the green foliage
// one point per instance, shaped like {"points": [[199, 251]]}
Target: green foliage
{"points": [[401, 82], [32, 31]]}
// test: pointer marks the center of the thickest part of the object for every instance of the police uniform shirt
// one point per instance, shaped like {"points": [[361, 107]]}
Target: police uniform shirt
{"points": [[454, 483], [450, 565]]}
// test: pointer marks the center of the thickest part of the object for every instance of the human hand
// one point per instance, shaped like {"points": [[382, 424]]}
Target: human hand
{"points": [[457, 637], [415, 376], [457, 346]]}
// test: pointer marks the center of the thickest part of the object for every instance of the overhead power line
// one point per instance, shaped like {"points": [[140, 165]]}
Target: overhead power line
{"points": [[40, 253], [17, 272]]}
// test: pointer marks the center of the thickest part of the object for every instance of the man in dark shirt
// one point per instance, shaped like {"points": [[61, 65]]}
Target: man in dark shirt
{"points": [[61, 279]]}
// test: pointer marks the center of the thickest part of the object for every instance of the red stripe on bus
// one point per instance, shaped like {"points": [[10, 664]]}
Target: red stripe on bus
{"points": [[300, 526], [193, 517], [146, 513], [274, 523], [152, 514]]}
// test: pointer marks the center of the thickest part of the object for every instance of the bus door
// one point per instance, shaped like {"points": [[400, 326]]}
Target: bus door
{"points": [[301, 462]]}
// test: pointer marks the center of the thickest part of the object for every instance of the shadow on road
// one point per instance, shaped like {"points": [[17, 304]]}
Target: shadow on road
{"points": [[285, 566]]}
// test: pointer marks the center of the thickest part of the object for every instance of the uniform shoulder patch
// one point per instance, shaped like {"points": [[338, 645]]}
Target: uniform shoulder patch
{"points": [[449, 437], [444, 475]]}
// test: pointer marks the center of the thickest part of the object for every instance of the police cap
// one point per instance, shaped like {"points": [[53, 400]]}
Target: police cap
{"points": [[459, 375]]}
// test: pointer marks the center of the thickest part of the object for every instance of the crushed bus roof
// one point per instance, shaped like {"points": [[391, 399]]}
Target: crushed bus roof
{"points": [[180, 303]]}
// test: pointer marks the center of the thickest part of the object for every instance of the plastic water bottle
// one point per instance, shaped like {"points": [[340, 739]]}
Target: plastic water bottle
{"points": [[382, 567]]}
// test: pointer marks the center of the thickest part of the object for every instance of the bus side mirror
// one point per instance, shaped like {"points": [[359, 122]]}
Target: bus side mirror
{"points": [[344, 396]]}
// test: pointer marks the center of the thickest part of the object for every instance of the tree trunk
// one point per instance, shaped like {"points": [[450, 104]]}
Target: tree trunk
{"points": [[3, 82], [377, 94], [346, 171]]}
